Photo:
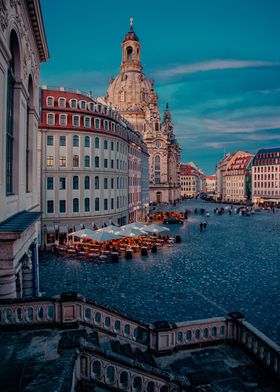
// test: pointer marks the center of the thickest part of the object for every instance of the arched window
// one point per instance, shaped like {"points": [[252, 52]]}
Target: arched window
{"points": [[96, 142], [62, 102], [76, 121], [75, 141], [87, 161], [97, 123], [76, 205], [75, 182], [129, 53], [87, 204], [50, 101], [87, 122], [87, 182], [96, 182], [13, 74], [157, 169], [87, 141], [96, 204], [96, 161], [73, 103], [76, 161]]}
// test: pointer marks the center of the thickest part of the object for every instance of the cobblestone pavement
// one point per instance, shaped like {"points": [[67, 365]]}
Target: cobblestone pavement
{"points": [[233, 265]]}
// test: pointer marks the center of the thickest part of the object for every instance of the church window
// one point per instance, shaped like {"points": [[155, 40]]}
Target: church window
{"points": [[157, 169], [129, 53]]}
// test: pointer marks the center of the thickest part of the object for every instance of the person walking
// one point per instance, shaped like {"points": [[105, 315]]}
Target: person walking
{"points": [[204, 225], [201, 227]]}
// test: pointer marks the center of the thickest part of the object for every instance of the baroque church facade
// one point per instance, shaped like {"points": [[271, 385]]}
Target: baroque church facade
{"points": [[134, 96]]}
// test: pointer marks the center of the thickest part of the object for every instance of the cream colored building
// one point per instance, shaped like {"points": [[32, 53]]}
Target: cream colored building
{"points": [[191, 180], [92, 165], [235, 177], [22, 47], [134, 96]]}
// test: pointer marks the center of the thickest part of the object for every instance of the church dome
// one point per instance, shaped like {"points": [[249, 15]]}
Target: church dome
{"points": [[130, 90], [130, 36]]}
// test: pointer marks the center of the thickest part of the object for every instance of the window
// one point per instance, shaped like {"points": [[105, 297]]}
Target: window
{"points": [[87, 204], [50, 101], [96, 142], [50, 119], [49, 182], [105, 144], [87, 161], [87, 141], [96, 202], [50, 161], [87, 122], [62, 102], [106, 125], [105, 204], [106, 163], [75, 141], [73, 103], [112, 146], [91, 106], [99, 108], [83, 105], [76, 121], [76, 205], [75, 161], [96, 123], [62, 161], [157, 169], [112, 183], [62, 183], [96, 182], [49, 140], [112, 204], [112, 163], [62, 141], [96, 161], [62, 119], [50, 206], [62, 206], [87, 182], [75, 182], [105, 183]]}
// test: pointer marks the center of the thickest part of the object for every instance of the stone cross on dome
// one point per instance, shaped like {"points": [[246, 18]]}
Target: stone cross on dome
{"points": [[131, 23]]}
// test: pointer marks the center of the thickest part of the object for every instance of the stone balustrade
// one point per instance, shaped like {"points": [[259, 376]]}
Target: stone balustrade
{"points": [[160, 337], [97, 367]]}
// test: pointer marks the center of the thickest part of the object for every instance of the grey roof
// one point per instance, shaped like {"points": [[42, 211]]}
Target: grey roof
{"points": [[19, 222], [268, 150]]}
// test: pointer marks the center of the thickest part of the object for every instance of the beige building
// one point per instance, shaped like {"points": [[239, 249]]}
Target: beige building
{"points": [[91, 165], [191, 180], [134, 96], [235, 177], [221, 168], [22, 47], [210, 184]]}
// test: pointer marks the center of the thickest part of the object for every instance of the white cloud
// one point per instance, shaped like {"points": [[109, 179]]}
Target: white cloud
{"points": [[213, 65]]}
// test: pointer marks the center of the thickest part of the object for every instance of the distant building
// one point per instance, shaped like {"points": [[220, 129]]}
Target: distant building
{"points": [[266, 176], [191, 180], [91, 165], [235, 177], [134, 96], [221, 167], [210, 184], [22, 47]]}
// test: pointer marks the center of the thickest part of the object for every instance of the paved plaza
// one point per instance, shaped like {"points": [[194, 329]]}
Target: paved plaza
{"points": [[233, 265]]}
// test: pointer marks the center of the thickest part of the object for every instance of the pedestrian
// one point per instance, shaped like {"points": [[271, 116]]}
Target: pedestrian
{"points": [[201, 227], [204, 225]]}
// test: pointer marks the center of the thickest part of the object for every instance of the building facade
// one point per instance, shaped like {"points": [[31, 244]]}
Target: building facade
{"points": [[266, 176], [91, 165], [210, 184], [134, 96], [22, 47], [221, 167], [191, 180], [236, 178]]}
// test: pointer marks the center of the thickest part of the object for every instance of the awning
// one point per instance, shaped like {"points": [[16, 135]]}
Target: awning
{"points": [[63, 229], [50, 229]]}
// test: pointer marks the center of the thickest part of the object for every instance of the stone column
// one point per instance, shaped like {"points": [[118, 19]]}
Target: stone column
{"points": [[27, 275]]}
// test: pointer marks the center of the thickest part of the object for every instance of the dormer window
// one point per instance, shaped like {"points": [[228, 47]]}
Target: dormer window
{"points": [[91, 106], [76, 121], [50, 101], [50, 119], [97, 123], [73, 103], [83, 105], [62, 102], [99, 107], [62, 119]]}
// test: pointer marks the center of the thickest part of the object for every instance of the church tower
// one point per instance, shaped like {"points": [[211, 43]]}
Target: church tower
{"points": [[134, 96]]}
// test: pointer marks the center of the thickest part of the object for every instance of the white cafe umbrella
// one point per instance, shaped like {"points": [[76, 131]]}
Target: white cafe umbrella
{"points": [[130, 232], [100, 235], [155, 229], [84, 233], [109, 229], [134, 225]]}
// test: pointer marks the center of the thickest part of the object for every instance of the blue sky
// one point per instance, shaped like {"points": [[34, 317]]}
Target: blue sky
{"points": [[216, 62]]}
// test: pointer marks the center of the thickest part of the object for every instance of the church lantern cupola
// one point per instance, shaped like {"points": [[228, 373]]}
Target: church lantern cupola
{"points": [[131, 49], [167, 115]]}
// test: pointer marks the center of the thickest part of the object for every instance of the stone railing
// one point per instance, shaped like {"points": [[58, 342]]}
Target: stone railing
{"points": [[257, 344], [70, 308], [98, 367]]}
